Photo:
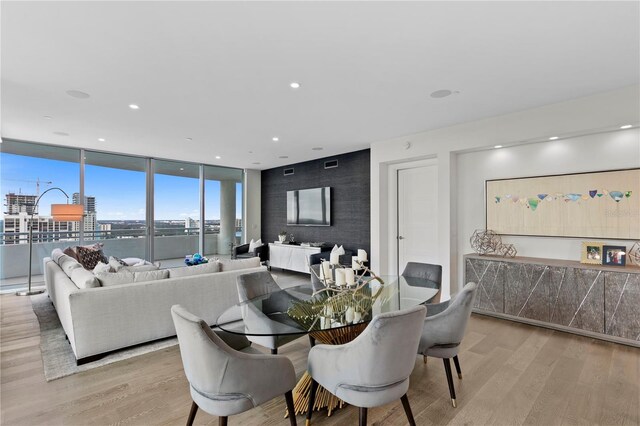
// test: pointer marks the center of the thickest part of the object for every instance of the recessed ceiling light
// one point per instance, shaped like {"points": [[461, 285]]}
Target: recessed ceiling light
{"points": [[250, 152], [553, 138], [317, 148], [294, 85], [78, 94], [275, 139], [61, 133], [134, 106], [497, 146], [181, 169], [47, 117], [442, 93], [101, 139], [626, 126], [257, 162], [284, 156], [218, 157], [189, 139]]}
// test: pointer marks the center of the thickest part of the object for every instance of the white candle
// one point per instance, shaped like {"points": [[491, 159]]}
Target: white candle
{"points": [[354, 263], [340, 277], [348, 315], [349, 276], [334, 258], [326, 271], [362, 255], [357, 316]]}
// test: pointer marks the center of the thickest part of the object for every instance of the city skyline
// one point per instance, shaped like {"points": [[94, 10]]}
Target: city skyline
{"points": [[120, 194]]}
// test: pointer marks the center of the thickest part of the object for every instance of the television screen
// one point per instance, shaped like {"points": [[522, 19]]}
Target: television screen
{"points": [[309, 207]]}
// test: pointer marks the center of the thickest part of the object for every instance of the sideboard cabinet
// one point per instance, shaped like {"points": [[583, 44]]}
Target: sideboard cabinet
{"points": [[594, 300]]}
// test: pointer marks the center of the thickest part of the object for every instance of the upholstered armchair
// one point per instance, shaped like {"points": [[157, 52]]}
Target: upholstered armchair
{"points": [[242, 251], [374, 368], [262, 284], [444, 329], [224, 381], [424, 275]]}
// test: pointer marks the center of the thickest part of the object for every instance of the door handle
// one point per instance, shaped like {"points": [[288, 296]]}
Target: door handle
{"points": [[400, 237]]}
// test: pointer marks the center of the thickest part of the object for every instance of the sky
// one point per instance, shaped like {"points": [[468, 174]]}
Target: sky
{"points": [[120, 194]]}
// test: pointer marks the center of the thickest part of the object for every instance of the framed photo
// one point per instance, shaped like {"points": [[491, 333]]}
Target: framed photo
{"points": [[614, 255], [592, 252]]}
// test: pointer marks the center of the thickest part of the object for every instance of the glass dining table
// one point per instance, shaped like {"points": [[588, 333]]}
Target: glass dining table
{"points": [[335, 315]]}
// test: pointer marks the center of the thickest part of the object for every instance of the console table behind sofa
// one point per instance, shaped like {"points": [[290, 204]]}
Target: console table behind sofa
{"points": [[594, 300]]}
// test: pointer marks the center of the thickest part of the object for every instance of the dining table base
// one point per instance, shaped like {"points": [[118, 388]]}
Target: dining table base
{"points": [[324, 398]]}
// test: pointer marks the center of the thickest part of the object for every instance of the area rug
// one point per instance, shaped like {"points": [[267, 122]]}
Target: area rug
{"points": [[57, 355]]}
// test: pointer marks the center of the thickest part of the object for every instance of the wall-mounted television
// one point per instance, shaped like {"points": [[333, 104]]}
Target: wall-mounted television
{"points": [[309, 207]]}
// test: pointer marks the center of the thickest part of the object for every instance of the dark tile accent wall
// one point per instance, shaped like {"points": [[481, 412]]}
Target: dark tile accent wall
{"points": [[350, 200]]}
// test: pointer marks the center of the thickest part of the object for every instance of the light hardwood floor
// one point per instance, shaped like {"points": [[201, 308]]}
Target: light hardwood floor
{"points": [[513, 374]]}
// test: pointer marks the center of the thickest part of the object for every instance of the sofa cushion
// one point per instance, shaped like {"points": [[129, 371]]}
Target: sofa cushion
{"points": [[115, 278], [140, 268], [56, 254], [102, 267], [234, 265], [159, 274], [83, 278], [89, 257], [68, 264], [185, 271]]}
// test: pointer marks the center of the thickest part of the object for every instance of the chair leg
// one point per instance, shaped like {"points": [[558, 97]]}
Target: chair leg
{"points": [[363, 416], [456, 362], [192, 413], [407, 409], [424, 358], [452, 390], [274, 351], [312, 400], [288, 397], [222, 421], [312, 340]]}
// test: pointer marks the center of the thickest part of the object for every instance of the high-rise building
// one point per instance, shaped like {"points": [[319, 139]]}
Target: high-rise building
{"points": [[90, 214], [89, 202], [19, 203]]}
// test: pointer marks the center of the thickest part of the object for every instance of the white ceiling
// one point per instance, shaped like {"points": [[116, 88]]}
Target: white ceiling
{"points": [[219, 72]]}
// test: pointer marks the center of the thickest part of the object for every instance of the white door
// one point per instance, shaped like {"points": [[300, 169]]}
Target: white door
{"points": [[418, 216]]}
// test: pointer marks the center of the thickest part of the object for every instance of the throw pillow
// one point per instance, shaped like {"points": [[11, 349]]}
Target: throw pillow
{"points": [[108, 279], [253, 245], [150, 275], [130, 261], [69, 251], [116, 264], [89, 258], [84, 279], [234, 265], [339, 250], [68, 264], [185, 271], [56, 254], [101, 267]]}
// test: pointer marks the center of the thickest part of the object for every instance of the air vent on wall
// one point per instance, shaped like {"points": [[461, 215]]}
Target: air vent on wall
{"points": [[288, 172], [330, 164]]}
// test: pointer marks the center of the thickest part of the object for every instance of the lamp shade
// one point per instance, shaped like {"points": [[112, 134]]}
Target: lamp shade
{"points": [[67, 212]]}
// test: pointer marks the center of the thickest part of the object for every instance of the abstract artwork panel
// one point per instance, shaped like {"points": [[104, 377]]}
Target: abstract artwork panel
{"points": [[598, 205]]}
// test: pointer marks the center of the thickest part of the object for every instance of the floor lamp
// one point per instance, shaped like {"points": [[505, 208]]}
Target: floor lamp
{"points": [[61, 213]]}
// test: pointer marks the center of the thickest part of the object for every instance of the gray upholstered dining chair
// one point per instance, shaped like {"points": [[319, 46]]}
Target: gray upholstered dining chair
{"points": [[374, 368], [444, 329], [424, 271], [224, 381], [257, 284]]}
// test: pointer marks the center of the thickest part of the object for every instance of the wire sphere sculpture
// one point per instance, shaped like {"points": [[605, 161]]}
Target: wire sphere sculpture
{"points": [[634, 254]]}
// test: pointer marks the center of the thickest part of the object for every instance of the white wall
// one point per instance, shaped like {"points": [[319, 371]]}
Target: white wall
{"points": [[610, 150], [252, 205], [604, 111]]}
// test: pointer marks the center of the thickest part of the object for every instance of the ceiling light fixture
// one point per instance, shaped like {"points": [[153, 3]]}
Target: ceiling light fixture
{"points": [[78, 94], [134, 106], [497, 146], [442, 93], [294, 85], [218, 157], [284, 156], [317, 148], [275, 139], [101, 139], [61, 133], [189, 139], [257, 162], [553, 138], [47, 117], [626, 126]]}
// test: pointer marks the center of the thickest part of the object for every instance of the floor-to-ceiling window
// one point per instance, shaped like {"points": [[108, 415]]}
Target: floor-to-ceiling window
{"points": [[176, 209], [223, 209], [115, 189], [28, 172]]}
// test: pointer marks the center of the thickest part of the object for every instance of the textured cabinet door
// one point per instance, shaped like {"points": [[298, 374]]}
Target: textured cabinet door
{"points": [[526, 291], [489, 275], [622, 304], [579, 299]]}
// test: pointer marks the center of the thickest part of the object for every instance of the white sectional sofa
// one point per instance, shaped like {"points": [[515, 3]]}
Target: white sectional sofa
{"points": [[98, 320]]}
